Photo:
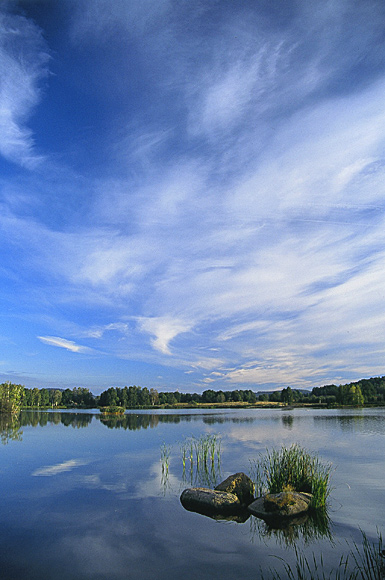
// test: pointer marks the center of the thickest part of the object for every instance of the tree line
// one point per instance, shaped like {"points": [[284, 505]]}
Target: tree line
{"points": [[363, 392], [143, 397], [76, 397], [13, 397]]}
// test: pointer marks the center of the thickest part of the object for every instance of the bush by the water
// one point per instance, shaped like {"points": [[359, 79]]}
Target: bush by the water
{"points": [[113, 410], [292, 469]]}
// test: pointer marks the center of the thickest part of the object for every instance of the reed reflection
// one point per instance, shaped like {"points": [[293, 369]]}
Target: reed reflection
{"points": [[307, 528]]}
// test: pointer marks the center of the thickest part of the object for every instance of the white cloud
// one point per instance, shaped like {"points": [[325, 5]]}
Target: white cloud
{"points": [[99, 332], [23, 63], [63, 343], [165, 329]]}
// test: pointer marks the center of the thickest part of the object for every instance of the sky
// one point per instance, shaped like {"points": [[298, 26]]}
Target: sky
{"points": [[192, 193]]}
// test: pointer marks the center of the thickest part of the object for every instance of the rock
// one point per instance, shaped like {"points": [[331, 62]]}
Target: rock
{"points": [[278, 505], [209, 501], [240, 485]]}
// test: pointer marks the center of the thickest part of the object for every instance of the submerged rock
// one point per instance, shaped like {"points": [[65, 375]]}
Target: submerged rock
{"points": [[281, 505], [209, 501], [240, 485]]}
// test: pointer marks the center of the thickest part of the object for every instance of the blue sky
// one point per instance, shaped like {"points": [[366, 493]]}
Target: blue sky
{"points": [[192, 193]]}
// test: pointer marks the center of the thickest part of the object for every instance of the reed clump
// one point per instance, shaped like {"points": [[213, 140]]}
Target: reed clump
{"points": [[292, 469], [201, 457], [165, 453], [365, 562]]}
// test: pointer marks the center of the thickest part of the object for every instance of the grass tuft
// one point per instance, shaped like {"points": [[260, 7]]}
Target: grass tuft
{"points": [[292, 469]]}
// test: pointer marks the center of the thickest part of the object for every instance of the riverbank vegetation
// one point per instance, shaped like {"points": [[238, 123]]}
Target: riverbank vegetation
{"points": [[113, 410], [357, 394], [364, 392], [10, 398]]}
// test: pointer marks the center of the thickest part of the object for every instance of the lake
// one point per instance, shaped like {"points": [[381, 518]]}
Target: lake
{"points": [[83, 497]]}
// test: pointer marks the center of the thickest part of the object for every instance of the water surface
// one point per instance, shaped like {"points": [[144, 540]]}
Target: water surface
{"points": [[85, 498]]}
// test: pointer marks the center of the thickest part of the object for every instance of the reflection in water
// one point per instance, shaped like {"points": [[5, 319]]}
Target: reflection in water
{"points": [[203, 452], [43, 418], [287, 421], [200, 461], [240, 517], [10, 428], [347, 422], [134, 422], [165, 453], [359, 421], [103, 498], [213, 419], [309, 527]]}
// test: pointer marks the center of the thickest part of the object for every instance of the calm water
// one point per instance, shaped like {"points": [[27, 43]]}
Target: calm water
{"points": [[86, 499]]}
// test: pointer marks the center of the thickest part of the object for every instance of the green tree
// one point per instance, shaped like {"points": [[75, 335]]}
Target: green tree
{"points": [[44, 397], [108, 398], [236, 396], [355, 396], [144, 397], [66, 398], [27, 398], [221, 398], [209, 396], [287, 395], [154, 397], [55, 397], [35, 397], [133, 400], [249, 396], [350, 395], [11, 397]]}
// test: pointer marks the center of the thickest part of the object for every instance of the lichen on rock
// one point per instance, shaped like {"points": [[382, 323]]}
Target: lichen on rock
{"points": [[239, 484], [204, 500], [284, 504]]}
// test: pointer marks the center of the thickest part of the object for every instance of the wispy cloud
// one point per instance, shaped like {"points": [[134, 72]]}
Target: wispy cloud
{"points": [[23, 64], [99, 19], [63, 343], [233, 226]]}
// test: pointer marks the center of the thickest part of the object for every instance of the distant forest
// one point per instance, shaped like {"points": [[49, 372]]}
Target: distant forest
{"points": [[363, 392]]}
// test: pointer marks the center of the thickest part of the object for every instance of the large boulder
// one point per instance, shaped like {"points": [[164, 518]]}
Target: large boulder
{"points": [[281, 505], [240, 485], [209, 501]]}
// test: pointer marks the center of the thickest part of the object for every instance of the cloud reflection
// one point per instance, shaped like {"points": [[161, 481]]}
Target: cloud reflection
{"points": [[50, 470]]}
